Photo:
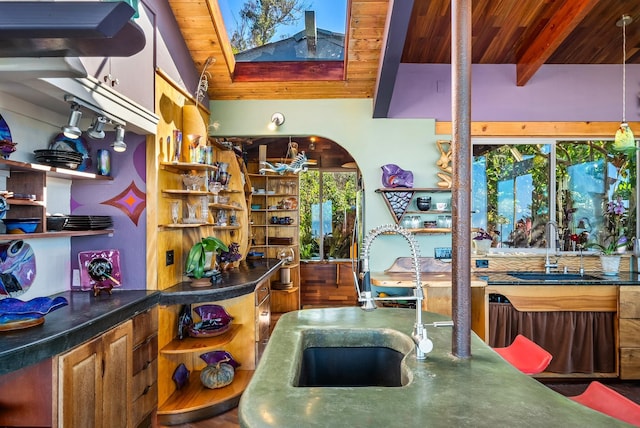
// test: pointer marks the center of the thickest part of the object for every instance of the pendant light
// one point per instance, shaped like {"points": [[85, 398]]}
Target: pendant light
{"points": [[624, 140]]}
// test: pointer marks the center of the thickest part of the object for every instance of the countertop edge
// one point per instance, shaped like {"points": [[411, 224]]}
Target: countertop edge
{"points": [[31, 346]]}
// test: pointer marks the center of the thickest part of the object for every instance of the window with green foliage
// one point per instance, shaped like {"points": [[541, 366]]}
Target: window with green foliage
{"points": [[518, 188], [328, 210]]}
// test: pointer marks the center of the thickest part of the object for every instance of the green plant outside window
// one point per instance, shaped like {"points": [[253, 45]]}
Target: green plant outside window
{"points": [[513, 185]]}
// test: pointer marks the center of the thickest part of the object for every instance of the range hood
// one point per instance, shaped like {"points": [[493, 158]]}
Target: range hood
{"points": [[68, 29]]}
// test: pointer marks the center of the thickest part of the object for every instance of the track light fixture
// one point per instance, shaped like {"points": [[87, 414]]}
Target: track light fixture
{"points": [[277, 119], [119, 145], [71, 130], [97, 128]]}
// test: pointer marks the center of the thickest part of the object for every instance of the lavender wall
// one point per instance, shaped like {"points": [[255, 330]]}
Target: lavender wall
{"points": [[555, 93], [124, 200]]}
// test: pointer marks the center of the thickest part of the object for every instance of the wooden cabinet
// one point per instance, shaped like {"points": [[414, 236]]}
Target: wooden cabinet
{"points": [[144, 390], [94, 388], [31, 179], [402, 201], [629, 332], [275, 226]]}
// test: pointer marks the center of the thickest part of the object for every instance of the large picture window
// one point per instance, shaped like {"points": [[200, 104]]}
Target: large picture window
{"points": [[518, 188]]}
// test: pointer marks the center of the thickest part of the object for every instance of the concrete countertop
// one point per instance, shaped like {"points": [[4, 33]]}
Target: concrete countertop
{"points": [[444, 391], [87, 316], [233, 283]]}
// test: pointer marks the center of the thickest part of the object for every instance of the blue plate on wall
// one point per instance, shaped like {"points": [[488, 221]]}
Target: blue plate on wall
{"points": [[17, 268], [5, 133]]}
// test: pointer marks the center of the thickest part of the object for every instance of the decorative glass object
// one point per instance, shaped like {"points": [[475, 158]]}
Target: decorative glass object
{"points": [[204, 209], [175, 211], [394, 176], [215, 357], [192, 182]]}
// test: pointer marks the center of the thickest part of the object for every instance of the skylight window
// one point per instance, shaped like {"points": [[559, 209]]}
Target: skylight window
{"points": [[267, 31]]}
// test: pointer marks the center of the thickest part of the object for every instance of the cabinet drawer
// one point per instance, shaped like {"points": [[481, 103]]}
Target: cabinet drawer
{"points": [[143, 381], [262, 291], [144, 354], [629, 363], [629, 333], [629, 302], [145, 324], [144, 404]]}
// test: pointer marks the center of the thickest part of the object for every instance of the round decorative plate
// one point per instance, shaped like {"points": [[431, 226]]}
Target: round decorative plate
{"points": [[17, 268]]}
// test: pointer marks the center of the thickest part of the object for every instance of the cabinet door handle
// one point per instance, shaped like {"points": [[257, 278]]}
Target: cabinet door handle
{"points": [[146, 389], [146, 365]]}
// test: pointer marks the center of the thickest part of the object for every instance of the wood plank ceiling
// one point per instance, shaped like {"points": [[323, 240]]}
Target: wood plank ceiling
{"points": [[528, 33], [203, 30]]}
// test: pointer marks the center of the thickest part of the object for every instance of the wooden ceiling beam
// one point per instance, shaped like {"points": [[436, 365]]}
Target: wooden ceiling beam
{"points": [[561, 24], [604, 130], [398, 17]]}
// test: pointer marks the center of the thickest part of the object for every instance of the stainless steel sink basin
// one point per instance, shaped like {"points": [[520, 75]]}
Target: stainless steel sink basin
{"points": [[353, 358], [555, 277]]}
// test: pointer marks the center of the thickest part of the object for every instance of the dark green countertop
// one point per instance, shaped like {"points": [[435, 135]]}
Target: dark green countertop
{"points": [[88, 316], [85, 316], [592, 278], [444, 391], [234, 283]]}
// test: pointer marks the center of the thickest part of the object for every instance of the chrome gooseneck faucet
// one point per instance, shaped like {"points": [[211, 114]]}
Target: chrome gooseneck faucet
{"points": [[419, 335]]}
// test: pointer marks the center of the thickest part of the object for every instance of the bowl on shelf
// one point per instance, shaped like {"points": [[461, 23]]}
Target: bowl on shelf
{"points": [[256, 206], [21, 225], [423, 203]]}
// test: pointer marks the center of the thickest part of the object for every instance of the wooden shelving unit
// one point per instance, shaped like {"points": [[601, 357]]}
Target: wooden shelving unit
{"points": [[275, 189], [194, 400], [60, 234], [399, 199], [202, 344], [6, 164], [31, 178]]}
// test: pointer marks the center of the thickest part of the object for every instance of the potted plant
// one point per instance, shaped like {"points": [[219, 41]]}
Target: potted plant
{"points": [[228, 258], [481, 242], [612, 240], [196, 263]]}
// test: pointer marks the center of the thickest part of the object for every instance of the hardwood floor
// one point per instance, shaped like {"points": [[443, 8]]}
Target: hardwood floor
{"points": [[225, 420]]}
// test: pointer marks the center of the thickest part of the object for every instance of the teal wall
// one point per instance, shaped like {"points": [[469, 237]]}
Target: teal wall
{"points": [[409, 143]]}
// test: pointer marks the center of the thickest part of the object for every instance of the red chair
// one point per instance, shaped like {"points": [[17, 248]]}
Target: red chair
{"points": [[525, 355], [605, 400]]}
